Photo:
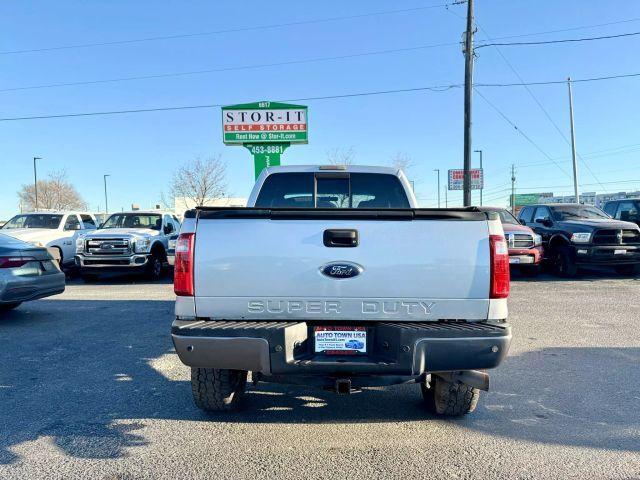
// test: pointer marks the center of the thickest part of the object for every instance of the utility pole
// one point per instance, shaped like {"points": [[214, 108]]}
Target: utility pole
{"points": [[513, 189], [446, 200], [438, 170], [573, 144], [35, 181], [482, 175], [468, 90], [106, 203]]}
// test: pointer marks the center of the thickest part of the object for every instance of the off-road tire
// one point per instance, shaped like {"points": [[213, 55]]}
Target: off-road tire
{"points": [[218, 390], [626, 270], [155, 267], [450, 399], [5, 307], [563, 263]]}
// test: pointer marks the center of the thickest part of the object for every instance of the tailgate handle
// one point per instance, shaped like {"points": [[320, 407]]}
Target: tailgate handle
{"points": [[340, 238]]}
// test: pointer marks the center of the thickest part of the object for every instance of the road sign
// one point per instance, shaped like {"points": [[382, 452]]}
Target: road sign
{"points": [[264, 122], [456, 179]]}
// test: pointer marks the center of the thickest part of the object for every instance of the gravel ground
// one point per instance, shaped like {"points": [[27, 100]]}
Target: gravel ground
{"points": [[90, 388]]}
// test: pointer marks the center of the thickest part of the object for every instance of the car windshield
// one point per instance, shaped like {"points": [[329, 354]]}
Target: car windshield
{"points": [[507, 218], [133, 220], [572, 212], [34, 220]]}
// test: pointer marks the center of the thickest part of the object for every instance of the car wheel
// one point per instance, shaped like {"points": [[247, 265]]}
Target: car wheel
{"points": [[626, 269], [5, 307], [218, 390], [154, 267], [451, 399], [563, 263]]}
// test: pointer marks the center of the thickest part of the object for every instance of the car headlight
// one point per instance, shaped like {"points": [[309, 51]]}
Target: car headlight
{"points": [[537, 240], [80, 244], [584, 237], [142, 245]]}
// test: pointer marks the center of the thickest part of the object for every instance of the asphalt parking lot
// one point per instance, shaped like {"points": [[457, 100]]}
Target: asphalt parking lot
{"points": [[90, 388]]}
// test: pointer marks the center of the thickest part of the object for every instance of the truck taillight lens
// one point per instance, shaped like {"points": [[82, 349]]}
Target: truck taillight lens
{"points": [[15, 262], [183, 265], [499, 267]]}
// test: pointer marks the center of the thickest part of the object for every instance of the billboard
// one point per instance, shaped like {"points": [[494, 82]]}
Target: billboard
{"points": [[264, 122], [456, 179]]}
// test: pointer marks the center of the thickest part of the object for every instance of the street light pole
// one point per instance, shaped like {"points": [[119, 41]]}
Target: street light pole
{"points": [[481, 173], [35, 181], [438, 170], [573, 145], [106, 204]]}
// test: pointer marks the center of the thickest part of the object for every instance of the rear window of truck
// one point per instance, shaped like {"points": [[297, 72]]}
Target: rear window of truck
{"points": [[332, 190]]}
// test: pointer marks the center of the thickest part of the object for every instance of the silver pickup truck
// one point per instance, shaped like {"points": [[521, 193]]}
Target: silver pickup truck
{"points": [[128, 242], [333, 277]]}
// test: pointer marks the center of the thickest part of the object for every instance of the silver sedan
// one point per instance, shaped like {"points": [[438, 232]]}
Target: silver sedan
{"points": [[26, 273]]}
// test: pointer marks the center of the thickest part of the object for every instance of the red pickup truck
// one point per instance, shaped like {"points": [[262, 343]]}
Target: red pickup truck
{"points": [[525, 246]]}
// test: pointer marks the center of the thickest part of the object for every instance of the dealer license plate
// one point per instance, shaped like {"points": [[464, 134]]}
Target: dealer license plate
{"points": [[619, 252], [514, 260], [339, 340]]}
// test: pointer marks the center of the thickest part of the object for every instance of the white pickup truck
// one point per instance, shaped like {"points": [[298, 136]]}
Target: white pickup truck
{"points": [[332, 277]]}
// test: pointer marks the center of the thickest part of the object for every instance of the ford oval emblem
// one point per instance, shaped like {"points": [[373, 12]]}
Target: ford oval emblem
{"points": [[341, 270]]}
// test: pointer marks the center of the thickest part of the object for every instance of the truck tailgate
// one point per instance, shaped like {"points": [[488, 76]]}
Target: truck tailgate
{"points": [[252, 266]]}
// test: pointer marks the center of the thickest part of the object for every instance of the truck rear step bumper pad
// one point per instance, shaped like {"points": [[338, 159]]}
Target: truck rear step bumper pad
{"points": [[394, 348]]}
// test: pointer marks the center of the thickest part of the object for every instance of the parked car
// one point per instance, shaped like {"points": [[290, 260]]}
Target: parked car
{"points": [[136, 242], [319, 248], [579, 235], [56, 231], [354, 344], [525, 246], [627, 210], [26, 273]]}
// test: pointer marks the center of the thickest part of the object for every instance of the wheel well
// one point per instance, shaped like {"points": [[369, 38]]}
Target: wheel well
{"points": [[158, 249], [60, 252], [558, 241]]}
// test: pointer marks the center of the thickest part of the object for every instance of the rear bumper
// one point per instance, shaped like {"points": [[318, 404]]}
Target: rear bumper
{"points": [[394, 348], [22, 289], [607, 255]]}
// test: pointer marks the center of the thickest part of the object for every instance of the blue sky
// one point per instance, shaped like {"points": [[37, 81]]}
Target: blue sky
{"points": [[140, 151]]}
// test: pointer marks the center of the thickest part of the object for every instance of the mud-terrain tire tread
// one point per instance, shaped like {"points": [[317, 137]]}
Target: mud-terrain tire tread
{"points": [[450, 399], [218, 390]]}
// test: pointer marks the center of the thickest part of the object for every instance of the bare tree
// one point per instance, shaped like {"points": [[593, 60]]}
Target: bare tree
{"points": [[199, 180], [401, 161], [341, 156], [54, 193]]}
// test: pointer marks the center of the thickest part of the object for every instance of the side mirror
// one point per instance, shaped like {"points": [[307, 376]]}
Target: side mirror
{"points": [[522, 222], [544, 221], [74, 226], [168, 228]]}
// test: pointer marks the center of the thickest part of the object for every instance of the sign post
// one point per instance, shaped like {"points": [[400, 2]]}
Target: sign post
{"points": [[266, 129]]}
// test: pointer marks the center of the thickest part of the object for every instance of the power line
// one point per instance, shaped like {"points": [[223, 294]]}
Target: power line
{"points": [[436, 88], [228, 30], [230, 69], [558, 82], [564, 40], [492, 105], [535, 99]]}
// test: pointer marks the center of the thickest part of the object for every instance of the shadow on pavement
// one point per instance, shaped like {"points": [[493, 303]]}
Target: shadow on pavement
{"points": [[90, 374], [584, 275]]}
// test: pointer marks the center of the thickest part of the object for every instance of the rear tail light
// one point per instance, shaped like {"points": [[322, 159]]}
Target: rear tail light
{"points": [[15, 262], [183, 265], [499, 267]]}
